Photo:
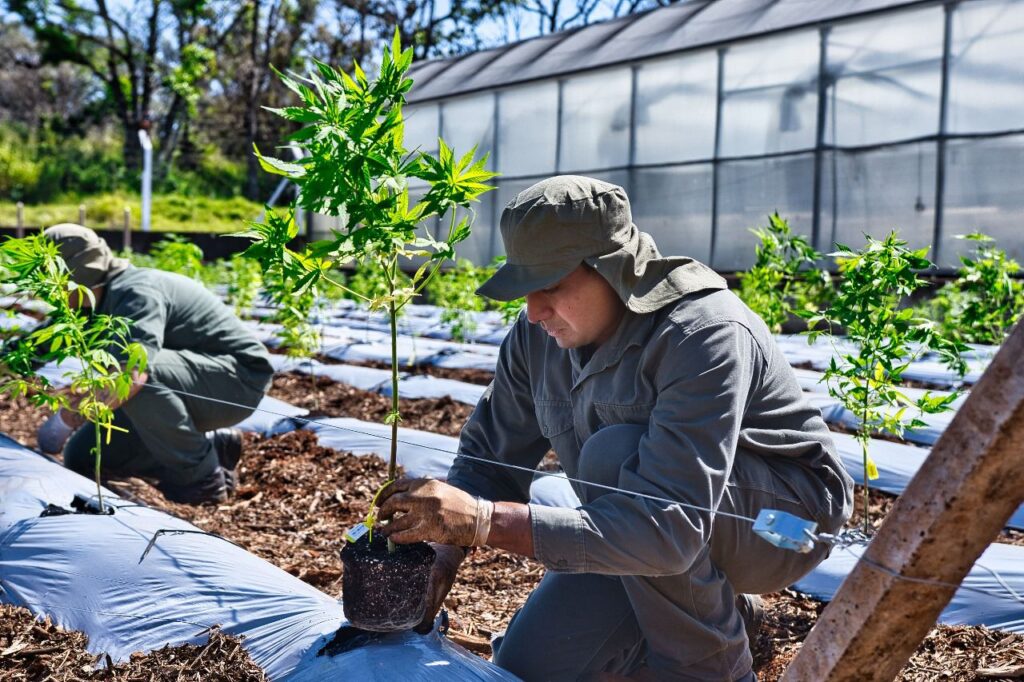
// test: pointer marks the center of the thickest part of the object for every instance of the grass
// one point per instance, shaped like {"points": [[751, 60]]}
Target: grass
{"points": [[170, 213]]}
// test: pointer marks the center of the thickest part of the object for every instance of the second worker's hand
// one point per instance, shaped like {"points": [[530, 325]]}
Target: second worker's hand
{"points": [[428, 510]]}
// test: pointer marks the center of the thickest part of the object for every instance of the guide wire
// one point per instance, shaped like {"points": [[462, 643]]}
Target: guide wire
{"points": [[844, 539], [483, 460]]}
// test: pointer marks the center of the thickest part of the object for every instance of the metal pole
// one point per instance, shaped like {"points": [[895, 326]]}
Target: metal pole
{"points": [[19, 229], [960, 499], [940, 150], [715, 162], [147, 179], [819, 142]]}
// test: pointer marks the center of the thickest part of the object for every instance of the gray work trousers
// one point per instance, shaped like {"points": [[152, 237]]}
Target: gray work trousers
{"points": [[681, 627], [165, 433]]}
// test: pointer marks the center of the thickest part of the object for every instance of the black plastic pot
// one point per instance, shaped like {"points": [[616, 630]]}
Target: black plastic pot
{"points": [[383, 591]]}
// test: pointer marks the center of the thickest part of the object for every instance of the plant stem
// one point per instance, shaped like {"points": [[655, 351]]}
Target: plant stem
{"points": [[96, 453], [864, 436], [393, 461]]}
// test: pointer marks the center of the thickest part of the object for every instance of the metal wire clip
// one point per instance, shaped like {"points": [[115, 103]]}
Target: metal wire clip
{"points": [[785, 530]]}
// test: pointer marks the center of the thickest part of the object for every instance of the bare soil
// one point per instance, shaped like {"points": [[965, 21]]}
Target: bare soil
{"points": [[296, 498]]}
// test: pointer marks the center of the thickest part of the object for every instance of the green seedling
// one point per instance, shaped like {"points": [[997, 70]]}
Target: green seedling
{"points": [[99, 343], [357, 170], [244, 280], [882, 340], [174, 254], [985, 300], [785, 277]]}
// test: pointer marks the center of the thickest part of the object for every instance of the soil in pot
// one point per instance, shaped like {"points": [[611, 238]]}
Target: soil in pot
{"points": [[385, 591]]}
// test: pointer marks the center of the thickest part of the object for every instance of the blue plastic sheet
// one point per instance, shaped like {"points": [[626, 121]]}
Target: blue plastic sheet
{"points": [[897, 465], [967, 607], [422, 454], [87, 573], [272, 417], [424, 386]]}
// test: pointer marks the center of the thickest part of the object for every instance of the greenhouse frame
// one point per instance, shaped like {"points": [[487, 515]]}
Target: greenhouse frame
{"points": [[848, 117]]}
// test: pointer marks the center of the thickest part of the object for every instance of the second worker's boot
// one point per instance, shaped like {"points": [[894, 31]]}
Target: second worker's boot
{"points": [[228, 445]]}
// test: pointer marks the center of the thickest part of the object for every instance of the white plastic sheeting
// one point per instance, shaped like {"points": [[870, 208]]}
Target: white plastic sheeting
{"points": [[87, 573], [997, 608]]}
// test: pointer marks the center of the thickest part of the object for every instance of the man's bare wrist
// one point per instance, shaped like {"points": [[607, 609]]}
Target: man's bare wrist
{"points": [[511, 528]]}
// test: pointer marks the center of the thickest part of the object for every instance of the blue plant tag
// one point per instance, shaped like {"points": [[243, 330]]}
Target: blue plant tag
{"points": [[355, 532]]}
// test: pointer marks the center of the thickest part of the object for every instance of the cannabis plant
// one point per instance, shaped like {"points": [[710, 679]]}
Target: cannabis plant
{"points": [[882, 340], [785, 278], [985, 300], [357, 169], [173, 254], [244, 280], [454, 290], [99, 344]]}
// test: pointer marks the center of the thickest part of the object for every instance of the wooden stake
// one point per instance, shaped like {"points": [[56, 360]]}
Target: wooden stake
{"points": [[954, 507], [126, 241], [81, 215], [19, 230]]}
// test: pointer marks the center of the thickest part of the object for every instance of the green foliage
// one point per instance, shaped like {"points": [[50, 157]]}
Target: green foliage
{"points": [[455, 291], [33, 269], [175, 254], [882, 340], [197, 63], [170, 213], [986, 299], [244, 281], [785, 277], [356, 168], [39, 165]]}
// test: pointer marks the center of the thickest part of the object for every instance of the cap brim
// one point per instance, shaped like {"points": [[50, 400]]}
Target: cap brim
{"points": [[516, 281]]}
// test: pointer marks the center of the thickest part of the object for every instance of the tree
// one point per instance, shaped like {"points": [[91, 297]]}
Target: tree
{"points": [[151, 56]]}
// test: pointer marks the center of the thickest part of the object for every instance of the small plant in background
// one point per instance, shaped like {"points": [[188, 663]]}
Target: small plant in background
{"points": [[35, 269], [455, 291], [357, 169], [985, 300], [882, 340], [177, 254], [785, 278], [244, 279]]}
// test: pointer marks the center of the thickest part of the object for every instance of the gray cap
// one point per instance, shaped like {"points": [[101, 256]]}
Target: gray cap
{"points": [[552, 227], [87, 256]]}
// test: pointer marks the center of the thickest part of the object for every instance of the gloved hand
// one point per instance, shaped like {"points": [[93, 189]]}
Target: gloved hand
{"points": [[433, 511], [442, 577], [56, 430]]}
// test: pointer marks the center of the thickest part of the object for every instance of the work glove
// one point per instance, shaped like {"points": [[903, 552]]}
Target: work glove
{"points": [[442, 577], [56, 430], [433, 511]]}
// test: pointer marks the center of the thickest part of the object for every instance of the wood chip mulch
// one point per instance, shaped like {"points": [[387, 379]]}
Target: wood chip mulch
{"points": [[37, 650], [296, 498]]}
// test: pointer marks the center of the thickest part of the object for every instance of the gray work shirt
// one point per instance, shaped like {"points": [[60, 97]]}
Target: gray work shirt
{"points": [[169, 311], [706, 377]]}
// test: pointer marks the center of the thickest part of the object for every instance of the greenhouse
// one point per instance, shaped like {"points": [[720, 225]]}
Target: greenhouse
{"points": [[846, 117]]}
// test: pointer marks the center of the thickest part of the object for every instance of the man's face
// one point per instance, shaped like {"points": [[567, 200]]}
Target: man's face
{"points": [[579, 309]]}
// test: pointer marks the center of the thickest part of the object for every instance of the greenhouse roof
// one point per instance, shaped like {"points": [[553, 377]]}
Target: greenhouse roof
{"points": [[685, 25]]}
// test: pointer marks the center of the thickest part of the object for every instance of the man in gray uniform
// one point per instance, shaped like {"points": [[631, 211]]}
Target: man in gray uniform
{"points": [[644, 373], [195, 345]]}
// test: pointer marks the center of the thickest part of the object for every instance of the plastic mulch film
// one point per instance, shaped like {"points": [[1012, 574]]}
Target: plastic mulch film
{"points": [[89, 573]]}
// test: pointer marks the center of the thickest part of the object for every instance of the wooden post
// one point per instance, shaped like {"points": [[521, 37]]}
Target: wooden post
{"points": [[954, 507], [19, 229], [81, 214], [127, 239]]}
